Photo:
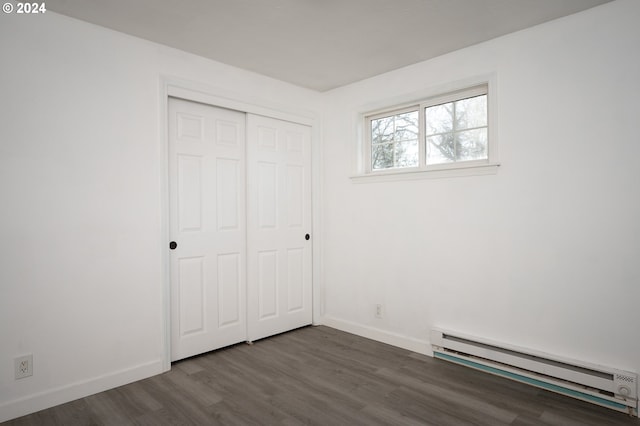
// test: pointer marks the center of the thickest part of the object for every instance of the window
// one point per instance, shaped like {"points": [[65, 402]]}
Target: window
{"points": [[456, 131], [394, 140], [450, 131]]}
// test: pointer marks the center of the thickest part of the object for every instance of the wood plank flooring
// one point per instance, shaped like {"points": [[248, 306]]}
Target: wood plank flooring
{"points": [[322, 376]]}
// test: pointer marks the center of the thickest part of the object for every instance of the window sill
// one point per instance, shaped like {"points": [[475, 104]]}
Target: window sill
{"points": [[458, 171]]}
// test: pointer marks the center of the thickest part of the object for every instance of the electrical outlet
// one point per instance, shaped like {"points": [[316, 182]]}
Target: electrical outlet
{"points": [[378, 313], [23, 366]]}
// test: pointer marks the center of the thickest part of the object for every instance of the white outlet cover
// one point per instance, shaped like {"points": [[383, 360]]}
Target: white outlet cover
{"points": [[23, 366], [379, 311]]}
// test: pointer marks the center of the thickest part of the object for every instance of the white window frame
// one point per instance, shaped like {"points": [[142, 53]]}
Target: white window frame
{"points": [[486, 86]]}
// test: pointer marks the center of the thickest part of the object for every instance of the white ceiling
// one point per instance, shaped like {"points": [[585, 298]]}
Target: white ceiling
{"points": [[318, 44]]}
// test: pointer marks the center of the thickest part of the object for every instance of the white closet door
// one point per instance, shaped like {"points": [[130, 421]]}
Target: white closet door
{"points": [[208, 224], [278, 220]]}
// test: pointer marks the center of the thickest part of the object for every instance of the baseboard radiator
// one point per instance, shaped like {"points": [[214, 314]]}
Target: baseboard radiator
{"points": [[608, 387]]}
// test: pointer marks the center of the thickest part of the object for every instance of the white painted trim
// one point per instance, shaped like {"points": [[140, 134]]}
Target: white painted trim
{"points": [[390, 338], [317, 162], [165, 261], [171, 86], [197, 92], [60, 395], [396, 175]]}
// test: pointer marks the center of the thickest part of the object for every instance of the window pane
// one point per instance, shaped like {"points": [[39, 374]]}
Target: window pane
{"points": [[407, 126], [471, 145], [407, 154], [382, 156], [471, 112], [439, 118], [441, 149], [382, 130]]}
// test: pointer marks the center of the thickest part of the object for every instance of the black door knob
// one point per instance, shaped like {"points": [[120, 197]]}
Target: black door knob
{"points": [[306, 237], [173, 245]]}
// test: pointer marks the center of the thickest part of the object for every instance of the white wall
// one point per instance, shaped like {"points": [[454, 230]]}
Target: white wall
{"points": [[81, 278], [544, 254]]}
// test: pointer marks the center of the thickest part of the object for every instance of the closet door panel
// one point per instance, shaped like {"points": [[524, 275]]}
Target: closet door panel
{"points": [[207, 197], [279, 223]]}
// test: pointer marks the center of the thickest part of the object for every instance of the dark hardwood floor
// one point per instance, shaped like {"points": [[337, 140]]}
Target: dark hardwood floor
{"points": [[322, 376]]}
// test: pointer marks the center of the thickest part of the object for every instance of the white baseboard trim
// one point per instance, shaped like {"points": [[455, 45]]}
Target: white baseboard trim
{"points": [[390, 338], [60, 395]]}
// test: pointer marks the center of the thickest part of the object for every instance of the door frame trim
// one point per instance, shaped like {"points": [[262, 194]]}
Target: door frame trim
{"points": [[174, 87]]}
